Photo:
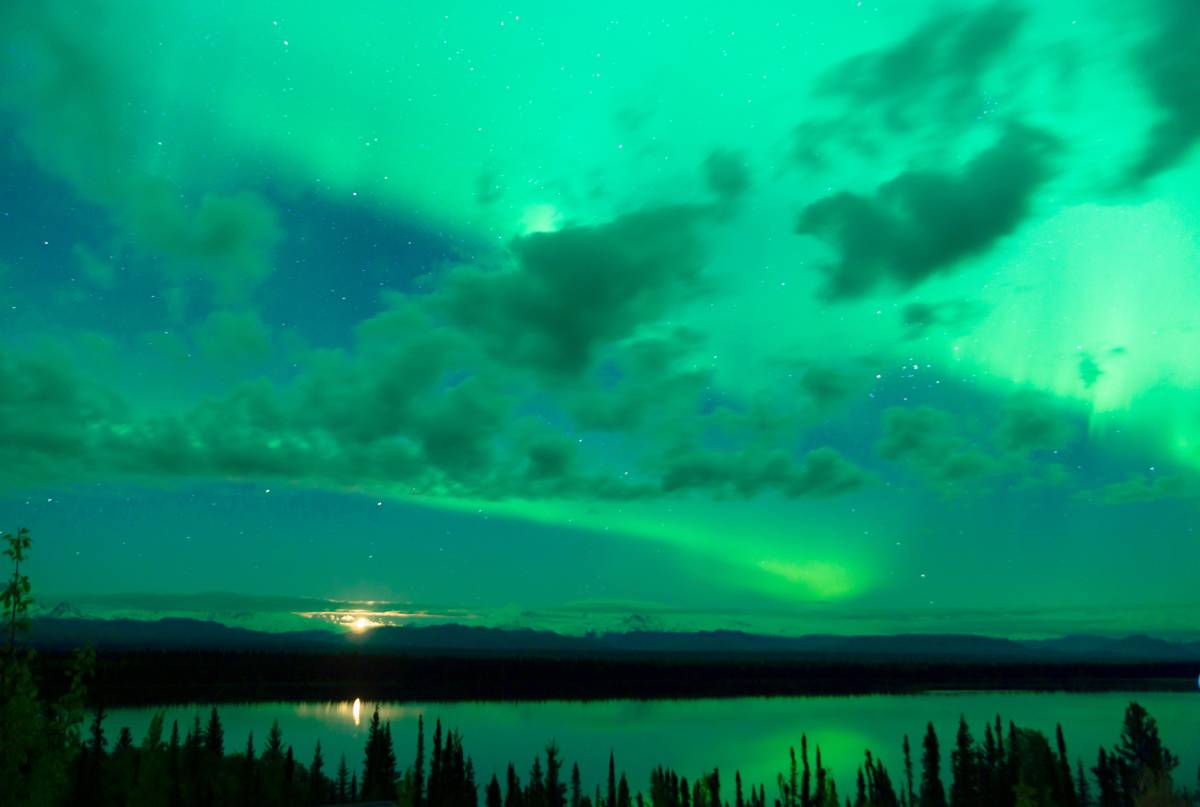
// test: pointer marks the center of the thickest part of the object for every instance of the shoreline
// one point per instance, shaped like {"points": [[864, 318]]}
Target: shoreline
{"points": [[130, 678]]}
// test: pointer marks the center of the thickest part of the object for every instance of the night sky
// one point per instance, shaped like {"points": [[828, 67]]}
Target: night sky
{"points": [[836, 317]]}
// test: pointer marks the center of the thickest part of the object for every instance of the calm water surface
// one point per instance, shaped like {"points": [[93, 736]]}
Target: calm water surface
{"points": [[752, 734]]}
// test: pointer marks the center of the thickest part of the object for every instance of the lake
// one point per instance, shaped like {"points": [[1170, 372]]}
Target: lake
{"points": [[752, 734]]}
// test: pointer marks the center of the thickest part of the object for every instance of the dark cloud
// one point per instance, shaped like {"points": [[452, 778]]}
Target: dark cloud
{"points": [[918, 318], [820, 472], [234, 338], [1035, 421], [650, 383], [1168, 63], [97, 271], [395, 411], [941, 63], [412, 394], [227, 238], [926, 439], [926, 221], [71, 106], [417, 405], [415, 433], [814, 141], [1141, 488], [488, 188], [1089, 370], [726, 174], [48, 416], [825, 386], [953, 315], [576, 289], [938, 78]]}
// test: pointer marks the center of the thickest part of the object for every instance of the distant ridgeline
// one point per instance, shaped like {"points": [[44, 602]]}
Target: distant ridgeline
{"points": [[57, 632]]}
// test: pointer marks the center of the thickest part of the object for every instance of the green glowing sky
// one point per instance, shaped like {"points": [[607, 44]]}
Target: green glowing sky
{"points": [[850, 316]]}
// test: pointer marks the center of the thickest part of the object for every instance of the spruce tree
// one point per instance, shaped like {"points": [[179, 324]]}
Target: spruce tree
{"points": [[576, 786], [964, 790], [1143, 762], [989, 766], [623, 793], [387, 758], [819, 795], [933, 794], [612, 780], [535, 789], [248, 781], [435, 767], [1108, 785], [372, 762], [908, 773], [190, 739], [316, 777], [875, 785], [343, 781], [214, 736], [1004, 783], [289, 770], [793, 786], [556, 789], [1083, 793], [274, 749], [174, 768], [468, 789], [419, 765], [16, 598], [1012, 766], [493, 798], [513, 794], [98, 742], [1064, 785], [806, 777], [94, 764]]}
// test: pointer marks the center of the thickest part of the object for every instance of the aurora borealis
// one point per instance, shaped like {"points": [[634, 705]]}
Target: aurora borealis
{"points": [[854, 317]]}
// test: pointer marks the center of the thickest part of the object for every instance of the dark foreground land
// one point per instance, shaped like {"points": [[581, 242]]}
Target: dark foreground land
{"points": [[161, 676]]}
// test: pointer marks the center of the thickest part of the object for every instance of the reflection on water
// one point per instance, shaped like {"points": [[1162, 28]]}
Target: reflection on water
{"points": [[752, 734]]}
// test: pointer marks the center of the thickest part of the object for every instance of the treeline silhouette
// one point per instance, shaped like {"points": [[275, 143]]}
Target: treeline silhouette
{"points": [[1009, 767]]}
